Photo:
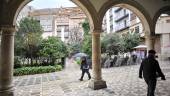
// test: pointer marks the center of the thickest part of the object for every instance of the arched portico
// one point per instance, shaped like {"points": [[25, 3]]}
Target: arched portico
{"points": [[140, 11], [95, 29], [7, 26], [95, 10], [159, 12], [163, 39]]}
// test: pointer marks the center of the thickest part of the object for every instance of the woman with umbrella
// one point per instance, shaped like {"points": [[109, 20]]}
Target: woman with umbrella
{"points": [[85, 68]]}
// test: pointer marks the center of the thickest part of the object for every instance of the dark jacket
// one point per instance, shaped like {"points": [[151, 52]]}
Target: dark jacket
{"points": [[150, 68], [84, 65]]}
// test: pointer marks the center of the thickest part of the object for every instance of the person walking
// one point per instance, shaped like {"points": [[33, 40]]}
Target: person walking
{"points": [[85, 68], [151, 71]]}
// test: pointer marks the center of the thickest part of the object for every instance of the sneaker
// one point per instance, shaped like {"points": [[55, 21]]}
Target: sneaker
{"points": [[81, 79]]}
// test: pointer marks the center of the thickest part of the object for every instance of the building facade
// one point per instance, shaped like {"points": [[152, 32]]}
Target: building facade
{"points": [[135, 25], [162, 41], [24, 13], [60, 22], [46, 18], [121, 20]]}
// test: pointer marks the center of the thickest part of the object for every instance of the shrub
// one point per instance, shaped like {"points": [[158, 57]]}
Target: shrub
{"points": [[58, 67], [35, 70], [37, 64], [17, 62]]}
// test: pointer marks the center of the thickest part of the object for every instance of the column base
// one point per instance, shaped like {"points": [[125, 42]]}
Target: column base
{"points": [[97, 84], [8, 92]]}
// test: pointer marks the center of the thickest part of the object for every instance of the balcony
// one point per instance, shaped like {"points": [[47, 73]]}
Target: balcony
{"points": [[122, 26], [121, 29], [66, 34], [117, 9], [121, 17]]}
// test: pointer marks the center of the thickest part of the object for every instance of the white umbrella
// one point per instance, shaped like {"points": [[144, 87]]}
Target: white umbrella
{"points": [[140, 46]]}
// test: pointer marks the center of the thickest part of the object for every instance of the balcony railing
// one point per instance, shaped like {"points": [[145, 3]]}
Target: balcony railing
{"points": [[122, 26], [120, 17], [117, 9]]}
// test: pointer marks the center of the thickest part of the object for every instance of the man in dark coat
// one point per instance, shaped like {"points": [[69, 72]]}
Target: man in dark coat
{"points": [[85, 68], [151, 70]]}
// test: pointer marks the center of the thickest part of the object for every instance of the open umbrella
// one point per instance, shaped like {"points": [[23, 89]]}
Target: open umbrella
{"points": [[140, 47], [80, 55]]}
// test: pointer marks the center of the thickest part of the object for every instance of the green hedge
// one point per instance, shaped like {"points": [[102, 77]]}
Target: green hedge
{"points": [[58, 67], [36, 70]]}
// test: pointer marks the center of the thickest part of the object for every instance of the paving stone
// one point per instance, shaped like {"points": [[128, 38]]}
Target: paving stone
{"points": [[38, 80], [121, 81], [44, 79], [31, 81], [23, 82]]}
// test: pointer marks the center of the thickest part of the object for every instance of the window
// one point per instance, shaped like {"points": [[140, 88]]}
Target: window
{"points": [[137, 29], [125, 23], [124, 11], [111, 28]]}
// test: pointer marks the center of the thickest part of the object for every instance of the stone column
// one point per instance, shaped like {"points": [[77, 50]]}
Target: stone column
{"points": [[6, 60], [96, 81], [149, 41]]}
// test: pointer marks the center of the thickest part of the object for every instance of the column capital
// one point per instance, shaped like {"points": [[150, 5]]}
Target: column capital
{"points": [[150, 37], [96, 32], [9, 28]]}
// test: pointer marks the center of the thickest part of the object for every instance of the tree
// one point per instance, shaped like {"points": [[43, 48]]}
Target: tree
{"points": [[87, 45], [29, 25], [111, 44], [87, 42], [114, 43], [74, 48], [28, 38], [75, 40], [53, 48], [83, 44], [86, 27], [130, 40], [76, 35]]}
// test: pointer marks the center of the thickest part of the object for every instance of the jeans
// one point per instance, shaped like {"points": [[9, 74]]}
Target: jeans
{"points": [[85, 71]]}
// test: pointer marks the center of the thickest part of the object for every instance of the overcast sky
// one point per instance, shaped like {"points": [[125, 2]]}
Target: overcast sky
{"points": [[40, 4]]}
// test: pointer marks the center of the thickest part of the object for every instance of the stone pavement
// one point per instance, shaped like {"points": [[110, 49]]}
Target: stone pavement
{"points": [[121, 81]]}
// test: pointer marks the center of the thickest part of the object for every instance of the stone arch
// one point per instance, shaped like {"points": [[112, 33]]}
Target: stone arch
{"points": [[85, 6], [158, 13], [134, 7]]}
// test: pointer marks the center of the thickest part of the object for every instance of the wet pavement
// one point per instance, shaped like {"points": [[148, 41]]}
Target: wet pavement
{"points": [[121, 81]]}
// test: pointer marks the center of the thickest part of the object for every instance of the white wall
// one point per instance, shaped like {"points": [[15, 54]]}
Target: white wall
{"points": [[163, 25]]}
